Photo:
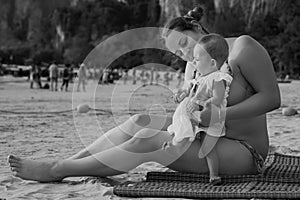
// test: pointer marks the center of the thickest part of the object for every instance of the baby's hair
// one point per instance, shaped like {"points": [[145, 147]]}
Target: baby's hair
{"points": [[216, 46]]}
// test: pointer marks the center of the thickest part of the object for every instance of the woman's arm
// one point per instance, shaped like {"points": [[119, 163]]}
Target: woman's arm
{"points": [[189, 74], [257, 68]]}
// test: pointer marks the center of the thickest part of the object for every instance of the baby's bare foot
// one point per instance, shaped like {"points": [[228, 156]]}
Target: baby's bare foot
{"points": [[215, 180], [34, 170]]}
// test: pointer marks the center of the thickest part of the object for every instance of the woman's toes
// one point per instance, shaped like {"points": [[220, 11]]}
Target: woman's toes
{"points": [[14, 169], [14, 164], [12, 158]]}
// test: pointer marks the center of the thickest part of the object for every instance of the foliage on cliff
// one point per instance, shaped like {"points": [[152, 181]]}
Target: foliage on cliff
{"points": [[66, 30]]}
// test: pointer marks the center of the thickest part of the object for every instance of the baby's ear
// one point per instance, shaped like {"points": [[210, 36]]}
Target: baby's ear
{"points": [[213, 62]]}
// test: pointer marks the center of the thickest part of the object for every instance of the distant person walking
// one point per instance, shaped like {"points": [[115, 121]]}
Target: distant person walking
{"points": [[81, 77], [179, 78], [35, 76], [100, 76], [31, 76], [38, 76], [95, 73], [166, 78], [147, 78], [151, 75], [1, 68], [142, 77], [66, 77], [125, 76], [105, 76], [134, 76], [157, 77], [53, 75]]}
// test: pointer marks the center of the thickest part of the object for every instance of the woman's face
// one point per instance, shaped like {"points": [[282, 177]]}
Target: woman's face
{"points": [[182, 43]]}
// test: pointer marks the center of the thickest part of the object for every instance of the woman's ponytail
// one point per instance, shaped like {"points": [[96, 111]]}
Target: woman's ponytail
{"points": [[190, 21], [195, 17], [195, 14]]}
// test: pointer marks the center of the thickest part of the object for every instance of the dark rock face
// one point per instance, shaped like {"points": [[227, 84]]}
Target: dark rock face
{"points": [[20, 20]]}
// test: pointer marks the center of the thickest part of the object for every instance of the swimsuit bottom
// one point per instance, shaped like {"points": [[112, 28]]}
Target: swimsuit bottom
{"points": [[258, 159]]}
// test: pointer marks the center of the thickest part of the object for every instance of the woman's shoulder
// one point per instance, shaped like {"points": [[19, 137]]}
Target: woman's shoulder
{"points": [[241, 41], [245, 41], [244, 38], [241, 44]]}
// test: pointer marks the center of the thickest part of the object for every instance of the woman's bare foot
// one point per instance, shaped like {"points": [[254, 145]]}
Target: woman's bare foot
{"points": [[34, 170]]}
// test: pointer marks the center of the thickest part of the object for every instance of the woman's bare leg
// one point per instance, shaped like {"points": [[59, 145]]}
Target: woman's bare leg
{"points": [[234, 158], [124, 132], [143, 147]]}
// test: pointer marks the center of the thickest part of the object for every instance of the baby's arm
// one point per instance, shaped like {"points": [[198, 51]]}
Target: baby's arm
{"points": [[182, 93], [218, 94]]}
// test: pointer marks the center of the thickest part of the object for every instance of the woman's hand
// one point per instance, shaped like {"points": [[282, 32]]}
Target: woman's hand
{"points": [[194, 109], [205, 115], [207, 103], [192, 106]]}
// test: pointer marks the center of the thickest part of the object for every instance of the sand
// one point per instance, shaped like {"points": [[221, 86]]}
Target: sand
{"points": [[46, 135]]}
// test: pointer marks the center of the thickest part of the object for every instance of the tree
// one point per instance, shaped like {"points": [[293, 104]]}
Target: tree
{"points": [[77, 51]]}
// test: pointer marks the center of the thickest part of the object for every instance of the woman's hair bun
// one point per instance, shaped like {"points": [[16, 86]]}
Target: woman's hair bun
{"points": [[196, 13]]}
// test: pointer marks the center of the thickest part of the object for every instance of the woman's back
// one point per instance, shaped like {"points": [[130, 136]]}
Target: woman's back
{"points": [[253, 130]]}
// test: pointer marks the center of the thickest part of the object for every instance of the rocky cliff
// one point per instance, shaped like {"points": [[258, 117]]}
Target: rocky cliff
{"points": [[20, 20]]}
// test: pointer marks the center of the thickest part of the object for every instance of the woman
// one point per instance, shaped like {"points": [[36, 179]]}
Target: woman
{"points": [[253, 93]]}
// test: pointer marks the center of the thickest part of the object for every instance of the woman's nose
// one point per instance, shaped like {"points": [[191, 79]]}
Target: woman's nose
{"points": [[187, 55], [194, 62]]}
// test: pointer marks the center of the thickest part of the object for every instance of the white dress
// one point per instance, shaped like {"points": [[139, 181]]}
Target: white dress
{"points": [[182, 127]]}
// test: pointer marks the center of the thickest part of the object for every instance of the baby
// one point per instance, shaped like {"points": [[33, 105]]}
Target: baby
{"points": [[210, 88]]}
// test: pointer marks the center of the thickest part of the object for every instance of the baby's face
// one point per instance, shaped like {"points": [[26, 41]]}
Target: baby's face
{"points": [[202, 60]]}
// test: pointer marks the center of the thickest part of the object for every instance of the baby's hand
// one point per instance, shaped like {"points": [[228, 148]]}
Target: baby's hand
{"points": [[179, 96], [182, 93], [207, 103]]}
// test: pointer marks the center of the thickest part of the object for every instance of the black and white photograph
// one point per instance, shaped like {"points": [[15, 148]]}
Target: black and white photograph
{"points": [[149, 99]]}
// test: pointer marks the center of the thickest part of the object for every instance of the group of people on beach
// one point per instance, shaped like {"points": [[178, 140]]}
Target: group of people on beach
{"points": [[54, 74], [66, 75], [151, 77], [219, 126]]}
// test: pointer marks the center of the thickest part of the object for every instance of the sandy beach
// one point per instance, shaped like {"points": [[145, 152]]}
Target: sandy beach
{"points": [[49, 133]]}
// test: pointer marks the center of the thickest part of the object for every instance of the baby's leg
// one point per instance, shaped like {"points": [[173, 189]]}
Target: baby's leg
{"points": [[207, 150], [208, 143], [213, 166]]}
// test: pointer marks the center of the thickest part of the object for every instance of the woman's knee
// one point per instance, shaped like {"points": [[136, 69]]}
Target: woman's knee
{"points": [[147, 139], [140, 119], [134, 124]]}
